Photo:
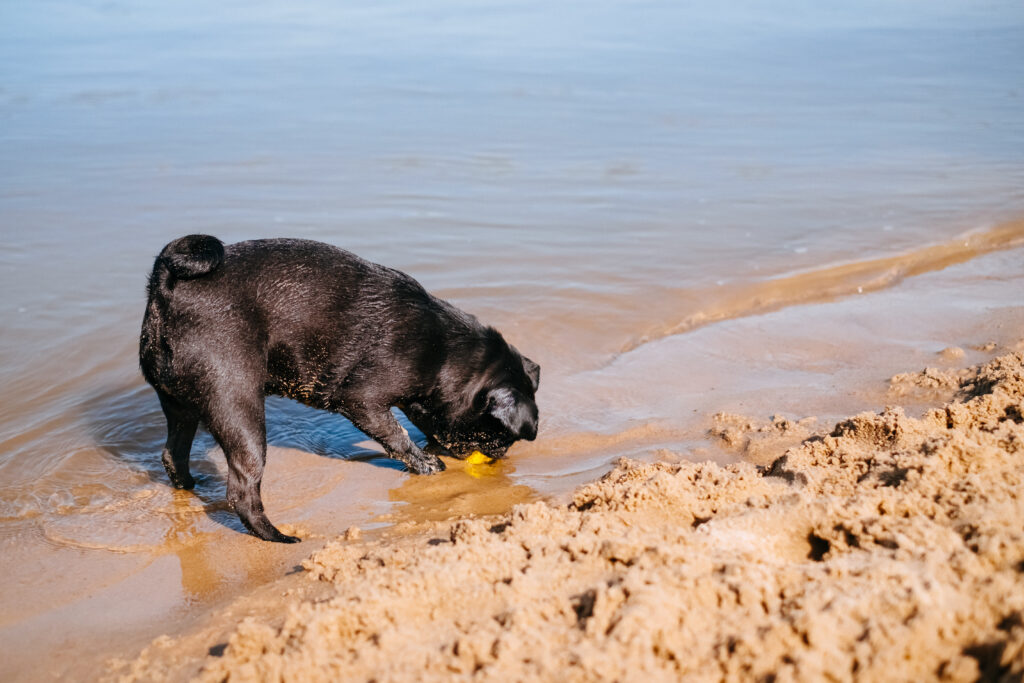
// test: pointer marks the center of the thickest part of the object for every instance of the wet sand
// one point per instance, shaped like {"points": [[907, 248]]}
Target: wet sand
{"points": [[882, 547]]}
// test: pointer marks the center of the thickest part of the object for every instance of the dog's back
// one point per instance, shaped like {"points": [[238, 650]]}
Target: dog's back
{"points": [[284, 300]]}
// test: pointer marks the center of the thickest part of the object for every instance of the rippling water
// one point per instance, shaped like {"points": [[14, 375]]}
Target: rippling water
{"points": [[590, 177]]}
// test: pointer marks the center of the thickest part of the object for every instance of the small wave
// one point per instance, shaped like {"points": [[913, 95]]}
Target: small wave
{"points": [[154, 519], [728, 302]]}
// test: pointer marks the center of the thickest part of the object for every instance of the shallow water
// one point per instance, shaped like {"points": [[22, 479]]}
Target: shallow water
{"points": [[620, 187]]}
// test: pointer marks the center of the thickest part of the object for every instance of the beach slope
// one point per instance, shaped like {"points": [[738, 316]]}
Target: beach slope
{"points": [[889, 547]]}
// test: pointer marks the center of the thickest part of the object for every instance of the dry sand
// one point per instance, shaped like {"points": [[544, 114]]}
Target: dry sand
{"points": [[886, 548]]}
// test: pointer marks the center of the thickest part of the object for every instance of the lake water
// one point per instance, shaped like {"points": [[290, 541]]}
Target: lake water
{"points": [[633, 192]]}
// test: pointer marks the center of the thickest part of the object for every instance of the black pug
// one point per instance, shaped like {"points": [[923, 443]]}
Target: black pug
{"points": [[227, 325]]}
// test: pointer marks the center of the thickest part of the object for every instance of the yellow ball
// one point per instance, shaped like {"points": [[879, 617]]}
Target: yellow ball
{"points": [[478, 458]]}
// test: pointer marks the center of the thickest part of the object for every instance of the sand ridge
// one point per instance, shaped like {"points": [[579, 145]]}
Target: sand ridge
{"points": [[890, 548]]}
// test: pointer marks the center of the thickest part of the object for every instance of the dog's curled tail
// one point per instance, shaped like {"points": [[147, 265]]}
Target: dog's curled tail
{"points": [[192, 256], [186, 258]]}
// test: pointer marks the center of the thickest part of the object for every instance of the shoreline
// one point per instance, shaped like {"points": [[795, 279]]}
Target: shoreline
{"points": [[826, 360], [885, 545]]}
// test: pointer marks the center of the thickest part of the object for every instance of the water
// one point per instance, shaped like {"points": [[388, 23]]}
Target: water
{"points": [[608, 183]]}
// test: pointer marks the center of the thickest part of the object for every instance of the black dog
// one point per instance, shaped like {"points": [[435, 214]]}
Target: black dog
{"points": [[226, 326]]}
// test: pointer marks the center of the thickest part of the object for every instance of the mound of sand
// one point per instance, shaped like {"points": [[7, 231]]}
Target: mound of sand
{"points": [[758, 441], [891, 548]]}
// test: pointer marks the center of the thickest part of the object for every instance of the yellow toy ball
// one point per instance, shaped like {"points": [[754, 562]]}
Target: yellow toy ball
{"points": [[478, 458]]}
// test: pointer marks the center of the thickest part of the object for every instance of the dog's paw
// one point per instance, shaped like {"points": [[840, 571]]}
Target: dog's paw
{"points": [[272, 534], [181, 480], [429, 464]]}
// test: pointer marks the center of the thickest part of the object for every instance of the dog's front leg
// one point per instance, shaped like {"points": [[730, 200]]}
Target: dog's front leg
{"points": [[381, 426], [419, 417]]}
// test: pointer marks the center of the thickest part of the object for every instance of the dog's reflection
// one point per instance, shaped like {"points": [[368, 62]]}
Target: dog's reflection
{"points": [[200, 577]]}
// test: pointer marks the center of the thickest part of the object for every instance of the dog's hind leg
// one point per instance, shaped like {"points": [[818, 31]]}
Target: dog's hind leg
{"points": [[181, 429], [238, 425]]}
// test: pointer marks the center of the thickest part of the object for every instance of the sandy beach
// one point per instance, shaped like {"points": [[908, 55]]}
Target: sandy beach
{"points": [[884, 547]]}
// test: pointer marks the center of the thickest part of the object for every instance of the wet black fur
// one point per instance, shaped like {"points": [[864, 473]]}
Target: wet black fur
{"points": [[227, 325]]}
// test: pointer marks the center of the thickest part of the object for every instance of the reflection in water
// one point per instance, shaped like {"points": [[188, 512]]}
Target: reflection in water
{"points": [[210, 560], [200, 574], [462, 489]]}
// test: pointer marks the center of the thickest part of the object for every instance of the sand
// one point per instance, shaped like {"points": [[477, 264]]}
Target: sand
{"points": [[887, 547]]}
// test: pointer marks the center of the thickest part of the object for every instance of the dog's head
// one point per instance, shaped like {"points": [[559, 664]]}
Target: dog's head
{"points": [[496, 402]]}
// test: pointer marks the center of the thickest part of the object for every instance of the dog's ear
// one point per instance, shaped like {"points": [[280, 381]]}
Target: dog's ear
{"points": [[532, 371], [518, 414]]}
